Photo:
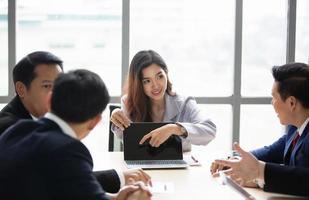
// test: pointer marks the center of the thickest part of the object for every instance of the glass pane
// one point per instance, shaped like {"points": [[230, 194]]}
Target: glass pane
{"points": [[4, 48], [259, 126], [221, 115], [194, 38], [85, 34], [264, 44], [302, 31]]}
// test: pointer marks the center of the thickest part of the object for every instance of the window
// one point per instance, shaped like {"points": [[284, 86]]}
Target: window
{"points": [[221, 115], [197, 49], [302, 32], [4, 48], [264, 41], [260, 126], [85, 34]]}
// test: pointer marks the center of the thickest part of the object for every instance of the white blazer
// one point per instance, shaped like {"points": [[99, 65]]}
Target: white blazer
{"points": [[183, 110]]}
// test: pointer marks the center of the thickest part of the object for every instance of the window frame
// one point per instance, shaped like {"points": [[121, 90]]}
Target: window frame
{"points": [[235, 100]]}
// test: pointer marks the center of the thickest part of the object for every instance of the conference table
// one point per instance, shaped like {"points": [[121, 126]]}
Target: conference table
{"points": [[194, 182]]}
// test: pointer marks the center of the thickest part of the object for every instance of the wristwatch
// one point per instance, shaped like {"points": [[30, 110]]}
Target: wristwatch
{"points": [[183, 131]]}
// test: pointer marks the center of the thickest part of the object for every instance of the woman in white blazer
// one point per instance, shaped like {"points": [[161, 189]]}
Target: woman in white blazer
{"points": [[149, 97]]}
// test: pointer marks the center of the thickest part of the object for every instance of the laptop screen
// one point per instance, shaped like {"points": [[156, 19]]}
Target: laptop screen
{"points": [[169, 150]]}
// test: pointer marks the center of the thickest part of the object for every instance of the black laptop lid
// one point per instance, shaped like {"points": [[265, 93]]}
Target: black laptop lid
{"points": [[169, 150]]}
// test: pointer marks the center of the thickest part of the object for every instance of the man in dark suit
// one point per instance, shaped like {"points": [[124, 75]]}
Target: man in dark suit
{"points": [[291, 103], [33, 78], [277, 178], [290, 99], [45, 159]]}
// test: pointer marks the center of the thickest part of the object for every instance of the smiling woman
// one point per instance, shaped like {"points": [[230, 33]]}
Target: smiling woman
{"points": [[149, 97]]}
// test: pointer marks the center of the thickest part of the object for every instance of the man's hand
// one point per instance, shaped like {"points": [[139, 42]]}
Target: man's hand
{"points": [[215, 168], [136, 175], [135, 191], [245, 170], [142, 194]]}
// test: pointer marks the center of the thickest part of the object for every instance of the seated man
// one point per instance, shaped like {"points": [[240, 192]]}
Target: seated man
{"points": [[45, 159], [290, 99], [275, 177], [33, 78]]}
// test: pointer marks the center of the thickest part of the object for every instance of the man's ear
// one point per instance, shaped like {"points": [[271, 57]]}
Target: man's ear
{"points": [[292, 102], [94, 121], [21, 89], [49, 98]]}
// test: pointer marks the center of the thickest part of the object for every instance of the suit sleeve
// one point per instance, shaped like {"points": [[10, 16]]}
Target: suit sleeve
{"points": [[273, 153], [69, 170], [117, 131], [108, 180], [201, 130], [286, 179]]}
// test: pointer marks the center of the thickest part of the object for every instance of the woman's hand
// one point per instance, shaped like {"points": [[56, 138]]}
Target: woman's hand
{"points": [[119, 119], [160, 135]]}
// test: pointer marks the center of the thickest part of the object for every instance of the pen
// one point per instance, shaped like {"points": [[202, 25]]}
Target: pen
{"points": [[194, 159]]}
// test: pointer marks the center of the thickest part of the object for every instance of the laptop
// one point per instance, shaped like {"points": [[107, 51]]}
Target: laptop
{"points": [[167, 155], [241, 191]]}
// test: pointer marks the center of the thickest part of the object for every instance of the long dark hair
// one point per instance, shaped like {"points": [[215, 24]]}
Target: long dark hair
{"points": [[137, 103]]}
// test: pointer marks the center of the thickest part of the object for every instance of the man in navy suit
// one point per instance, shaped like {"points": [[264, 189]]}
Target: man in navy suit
{"points": [[290, 99], [33, 78], [45, 159]]}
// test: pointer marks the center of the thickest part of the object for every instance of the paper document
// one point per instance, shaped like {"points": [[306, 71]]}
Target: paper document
{"points": [[162, 187]]}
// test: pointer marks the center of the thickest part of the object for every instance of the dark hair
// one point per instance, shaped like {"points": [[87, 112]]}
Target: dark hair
{"points": [[293, 80], [24, 69], [137, 103], [78, 96]]}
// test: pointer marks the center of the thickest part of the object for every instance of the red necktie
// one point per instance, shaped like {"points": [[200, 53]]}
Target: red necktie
{"points": [[294, 142]]}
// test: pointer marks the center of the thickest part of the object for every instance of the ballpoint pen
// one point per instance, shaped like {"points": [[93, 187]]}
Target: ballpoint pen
{"points": [[194, 159]]}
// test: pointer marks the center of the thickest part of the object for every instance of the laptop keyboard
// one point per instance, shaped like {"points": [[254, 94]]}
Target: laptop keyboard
{"points": [[156, 163]]}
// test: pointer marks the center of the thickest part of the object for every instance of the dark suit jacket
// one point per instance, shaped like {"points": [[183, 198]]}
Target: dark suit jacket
{"points": [[286, 179], [15, 111], [280, 152], [38, 161], [11, 113]]}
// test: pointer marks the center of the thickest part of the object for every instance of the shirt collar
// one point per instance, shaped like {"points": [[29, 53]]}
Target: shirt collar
{"points": [[66, 129], [303, 126], [33, 117]]}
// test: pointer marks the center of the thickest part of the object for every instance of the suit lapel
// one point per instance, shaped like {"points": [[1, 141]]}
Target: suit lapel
{"points": [[298, 145], [171, 108], [291, 159], [287, 154]]}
